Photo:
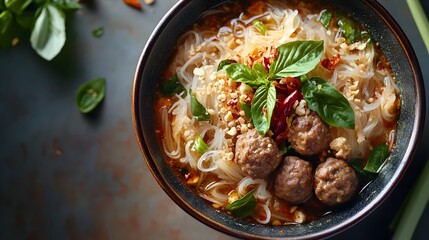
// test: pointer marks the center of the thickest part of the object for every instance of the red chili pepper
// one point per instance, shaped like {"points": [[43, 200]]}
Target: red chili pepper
{"points": [[332, 62], [283, 111], [266, 64], [292, 84]]}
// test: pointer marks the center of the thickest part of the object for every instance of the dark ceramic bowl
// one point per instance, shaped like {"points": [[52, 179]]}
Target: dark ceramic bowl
{"points": [[399, 52]]}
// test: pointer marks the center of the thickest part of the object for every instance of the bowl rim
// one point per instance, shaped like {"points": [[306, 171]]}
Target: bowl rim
{"points": [[356, 218]]}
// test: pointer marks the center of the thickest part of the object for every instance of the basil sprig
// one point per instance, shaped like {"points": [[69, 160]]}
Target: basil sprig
{"points": [[197, 109], [45, 19], [260, 26], [262, 107], [294, 59], [330, 104], [244, 206]]}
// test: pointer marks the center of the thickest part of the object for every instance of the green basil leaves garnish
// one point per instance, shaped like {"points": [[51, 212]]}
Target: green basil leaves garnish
{"points": [[244, 206], [224, 63], [350, 30], [90, 94], [200, 146], [197, 109], [260, 26], [243, 73], [247, 110], [296, 58], [262, 107], [330, 104], [325, 18], [376, 158], [172, 86]]}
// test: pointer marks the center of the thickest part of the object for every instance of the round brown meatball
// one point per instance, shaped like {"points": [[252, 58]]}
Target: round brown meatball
{"points": [[294, 180], [335, 182], [256, 155], [309, 135]]}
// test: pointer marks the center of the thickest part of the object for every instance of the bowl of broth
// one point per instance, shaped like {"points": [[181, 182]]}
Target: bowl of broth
{"points": [[279, 119]]}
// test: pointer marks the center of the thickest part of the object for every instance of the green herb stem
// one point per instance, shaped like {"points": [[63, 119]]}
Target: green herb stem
{"points": [[408, 217]]}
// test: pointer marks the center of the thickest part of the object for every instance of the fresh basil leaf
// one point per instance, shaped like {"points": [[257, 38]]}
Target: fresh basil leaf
{"points": [[90, 94], [225, 63], [199, 145], [17, 6], [98, 32], [376, 158], [242, 73], [363, 175], [26, 19], [244, 206], [67, 4], [2, 5], [260, 26], [296, 58], [330, 104], [260, 70], [246, 108], [198, 110], [350, 30], [262, 107], [172, 86], [49, 35], [6, 19], [325, 18]]}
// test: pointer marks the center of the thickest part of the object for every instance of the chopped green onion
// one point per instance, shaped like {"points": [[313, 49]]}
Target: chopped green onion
{"points": [[260, 26], [325, 18], [198, 110], [200, 146]]}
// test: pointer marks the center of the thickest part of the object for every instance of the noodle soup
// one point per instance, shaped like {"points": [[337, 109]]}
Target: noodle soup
{"points": [[277, 112]]}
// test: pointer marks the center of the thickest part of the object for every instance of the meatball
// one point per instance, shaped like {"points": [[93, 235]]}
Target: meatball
{"points": [[294, 180], [335, 182], [258, 156], [309, 135]]}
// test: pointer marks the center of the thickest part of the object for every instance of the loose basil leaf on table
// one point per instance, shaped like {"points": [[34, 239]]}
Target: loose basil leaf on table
{"points": [[376, 158], [172, 86], [68, 4], [330, 104], [6, 18], [197, 109], [296, 58], [90, 94], [244, 206], [98, 32], [199, 145], [48, 35], [262, 107]]}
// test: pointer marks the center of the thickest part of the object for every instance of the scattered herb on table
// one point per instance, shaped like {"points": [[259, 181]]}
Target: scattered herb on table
{"points": [[98, 32], [44, 19], [90, 94]]}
